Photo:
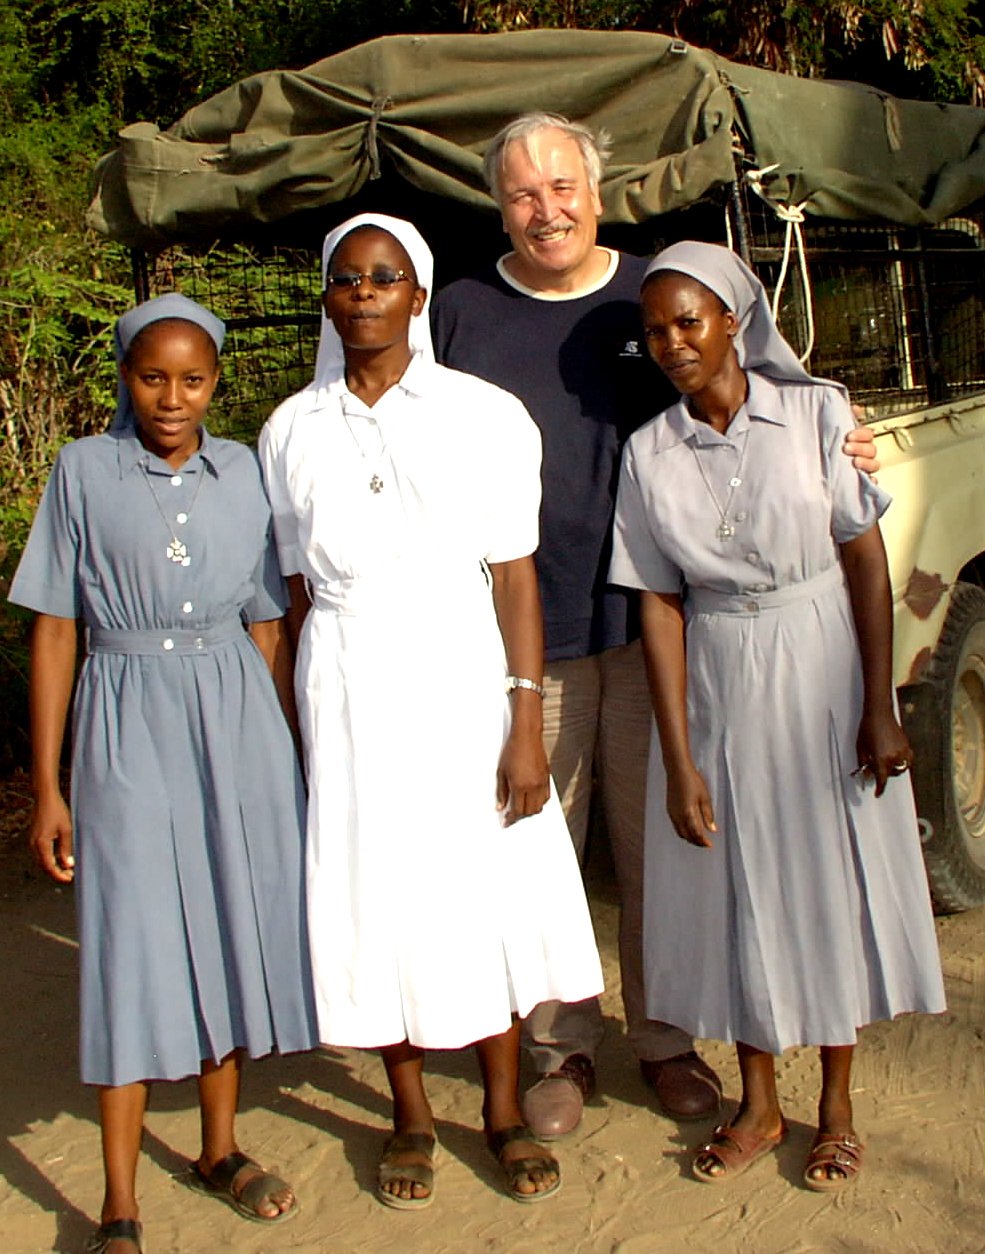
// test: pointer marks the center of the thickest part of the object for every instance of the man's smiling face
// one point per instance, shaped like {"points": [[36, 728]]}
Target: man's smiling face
{"points": [[549, 209]]}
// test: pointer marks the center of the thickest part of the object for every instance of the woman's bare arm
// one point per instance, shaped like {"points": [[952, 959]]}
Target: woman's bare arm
{"points": [[882, 743], [523, 779], [688, 802], [272, 639], [53, 649], [297, 611]]}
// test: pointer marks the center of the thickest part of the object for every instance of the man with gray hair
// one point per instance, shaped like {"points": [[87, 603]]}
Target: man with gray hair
{"points": [[556, 321]]}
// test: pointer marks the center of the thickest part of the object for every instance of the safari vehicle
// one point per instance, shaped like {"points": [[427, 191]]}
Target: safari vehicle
{"points": [[862, 213]]}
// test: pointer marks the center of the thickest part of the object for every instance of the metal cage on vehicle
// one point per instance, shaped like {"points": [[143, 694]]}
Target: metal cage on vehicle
{"points": [[895, 314]]}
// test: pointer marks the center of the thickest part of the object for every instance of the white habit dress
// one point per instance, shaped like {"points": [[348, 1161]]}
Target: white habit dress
{"points": [[429, 919]]}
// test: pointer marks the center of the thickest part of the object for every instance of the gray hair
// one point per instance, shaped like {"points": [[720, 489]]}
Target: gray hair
{"points": [[595, 148]]}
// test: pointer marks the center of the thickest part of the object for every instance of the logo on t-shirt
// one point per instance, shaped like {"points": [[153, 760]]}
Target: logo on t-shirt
{"points": [[631, 349]]}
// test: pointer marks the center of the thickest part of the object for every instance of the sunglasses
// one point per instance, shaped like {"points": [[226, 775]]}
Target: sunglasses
{"points": [[381, 279]]}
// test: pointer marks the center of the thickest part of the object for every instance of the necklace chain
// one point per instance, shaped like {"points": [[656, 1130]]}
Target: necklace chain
{"points": [[726, 529], [177, 550], [375, 483]]}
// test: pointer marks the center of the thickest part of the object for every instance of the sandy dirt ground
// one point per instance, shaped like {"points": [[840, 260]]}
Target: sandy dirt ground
{"points": [[321, 1118]]}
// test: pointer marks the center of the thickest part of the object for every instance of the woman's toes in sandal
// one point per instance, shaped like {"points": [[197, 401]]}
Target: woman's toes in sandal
{"points": [[242, 1183], [834, 1161], [731, 1151], [531, 1172], [405, 1175]]}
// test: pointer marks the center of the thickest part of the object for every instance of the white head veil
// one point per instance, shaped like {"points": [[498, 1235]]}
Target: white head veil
{"points": [[330, 363], [172, 305], [758, 342]]}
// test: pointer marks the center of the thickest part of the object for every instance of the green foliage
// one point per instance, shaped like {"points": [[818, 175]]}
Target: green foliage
{"points": [[931, 49], [58, 296], [495, 15], [153, 59], [56, 382]]}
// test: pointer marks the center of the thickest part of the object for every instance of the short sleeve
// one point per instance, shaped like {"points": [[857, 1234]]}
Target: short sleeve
{"points": [[857, 503], [272, 465], [637, 561], [270, 599], [514, 482], [47, 577]]}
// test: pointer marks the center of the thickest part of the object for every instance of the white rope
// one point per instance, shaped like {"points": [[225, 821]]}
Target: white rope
{"points": [[793, 216]]}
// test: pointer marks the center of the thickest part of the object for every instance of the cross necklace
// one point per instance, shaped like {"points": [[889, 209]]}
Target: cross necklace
{"points": [[726, 527], [375, 482], [177, 550]]}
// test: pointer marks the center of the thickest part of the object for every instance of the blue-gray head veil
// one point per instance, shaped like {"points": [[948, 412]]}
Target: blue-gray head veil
{"points": [[758, 342], [134, 320], [330, 363]]}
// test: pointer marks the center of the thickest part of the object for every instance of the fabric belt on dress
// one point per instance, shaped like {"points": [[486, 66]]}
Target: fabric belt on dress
{"points": [[175, 640], [404, 584], [707, 601]]}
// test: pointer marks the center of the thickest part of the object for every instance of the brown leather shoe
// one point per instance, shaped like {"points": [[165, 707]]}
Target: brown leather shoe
{"points": [[552, 1107], [686, 1087]]}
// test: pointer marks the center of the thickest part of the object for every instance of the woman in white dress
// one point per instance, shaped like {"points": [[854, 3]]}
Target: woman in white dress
{"points": [[794, 907], [444, 897]]}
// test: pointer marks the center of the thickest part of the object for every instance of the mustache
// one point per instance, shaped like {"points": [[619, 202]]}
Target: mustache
{"points": [[550, 228]]}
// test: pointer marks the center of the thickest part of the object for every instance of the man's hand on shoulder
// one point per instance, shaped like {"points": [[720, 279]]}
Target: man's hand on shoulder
{"points": [[860, 444]]}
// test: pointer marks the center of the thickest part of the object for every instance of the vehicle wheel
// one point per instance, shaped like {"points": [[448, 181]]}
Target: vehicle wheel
{"points": [[944, 716]]}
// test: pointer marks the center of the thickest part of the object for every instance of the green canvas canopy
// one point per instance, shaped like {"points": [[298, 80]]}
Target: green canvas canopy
{"points": [[420, 109]]}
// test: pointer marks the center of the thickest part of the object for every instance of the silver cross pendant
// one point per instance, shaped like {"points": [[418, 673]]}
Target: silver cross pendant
{"points": [[376, 484], [178, 553]]}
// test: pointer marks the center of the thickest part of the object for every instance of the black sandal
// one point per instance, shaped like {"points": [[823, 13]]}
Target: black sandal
{"points": [[514, 1169], [221, 1181], [131, 1230]]}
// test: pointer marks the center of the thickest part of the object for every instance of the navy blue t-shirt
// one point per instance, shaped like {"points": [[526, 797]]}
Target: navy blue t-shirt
{"points": [[581, 368]]}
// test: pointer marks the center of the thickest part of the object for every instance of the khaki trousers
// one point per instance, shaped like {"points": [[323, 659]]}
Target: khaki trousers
{"points": [[597, 716]]}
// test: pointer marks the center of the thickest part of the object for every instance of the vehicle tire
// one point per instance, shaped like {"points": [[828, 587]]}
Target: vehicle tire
{"points": [[944, 716]]}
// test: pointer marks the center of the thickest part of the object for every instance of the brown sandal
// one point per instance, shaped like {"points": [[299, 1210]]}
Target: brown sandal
{"points": [[843, 1153], [735, 1150]]}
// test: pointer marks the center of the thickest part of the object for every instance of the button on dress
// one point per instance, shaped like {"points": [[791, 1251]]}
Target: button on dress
{"points": [[187, 800], [811, 915], [430, 920]]}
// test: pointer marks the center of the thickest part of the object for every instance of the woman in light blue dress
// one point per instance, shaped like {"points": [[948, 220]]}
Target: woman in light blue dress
{"points": [[786, 900], [185, 833]]}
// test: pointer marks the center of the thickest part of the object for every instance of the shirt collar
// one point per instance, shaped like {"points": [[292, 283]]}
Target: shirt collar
{"points": [[765, 400], [764, 403], [415, 377], [130, 454], [588, 290], [413, 381]]}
